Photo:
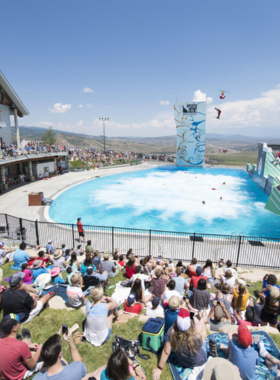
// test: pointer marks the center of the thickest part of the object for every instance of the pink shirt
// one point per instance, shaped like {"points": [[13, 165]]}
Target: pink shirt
{"points": [[246, 323]]}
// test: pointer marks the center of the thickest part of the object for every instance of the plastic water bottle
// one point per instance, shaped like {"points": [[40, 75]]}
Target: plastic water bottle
{"points": [[273, 373]]}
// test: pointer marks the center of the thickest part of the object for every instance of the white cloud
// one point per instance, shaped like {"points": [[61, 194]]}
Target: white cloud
{"points": [[80, 106], [87, 89], [80, 123], [164, 102], [89, 105], [261, 112], [60, 108], [46, 123], [200, 96]]}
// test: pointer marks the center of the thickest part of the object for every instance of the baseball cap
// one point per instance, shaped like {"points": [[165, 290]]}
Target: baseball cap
{"points": [[49, 241], [16, 278], [89, 270], [184, 320], [131, 298], [156, 301], [198, 271], [244, 336], [220, 369]]}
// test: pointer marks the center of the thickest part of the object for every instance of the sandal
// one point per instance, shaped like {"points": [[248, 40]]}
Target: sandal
{"points": [[213, 348], [78, 338]]}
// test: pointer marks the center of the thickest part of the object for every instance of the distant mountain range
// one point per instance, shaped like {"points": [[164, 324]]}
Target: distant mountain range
{"points": [[162, 144]]}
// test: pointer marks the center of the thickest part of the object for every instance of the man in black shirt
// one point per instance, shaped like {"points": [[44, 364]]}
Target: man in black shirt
{"points": [[16, 301]]}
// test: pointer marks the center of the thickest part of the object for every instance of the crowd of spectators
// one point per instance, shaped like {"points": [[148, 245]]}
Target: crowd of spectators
{"points": [[189, 298]]}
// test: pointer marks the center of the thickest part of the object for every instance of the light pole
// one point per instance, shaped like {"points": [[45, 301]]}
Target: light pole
{"points": [[104, 119]]}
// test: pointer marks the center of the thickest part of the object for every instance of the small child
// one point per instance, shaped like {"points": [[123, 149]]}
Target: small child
{"points": [[69, 271], [56, 278], [80, 251], [121, 262], [27, 279]]}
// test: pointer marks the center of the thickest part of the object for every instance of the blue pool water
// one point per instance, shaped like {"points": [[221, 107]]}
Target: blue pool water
{"points": [[170, 198]]}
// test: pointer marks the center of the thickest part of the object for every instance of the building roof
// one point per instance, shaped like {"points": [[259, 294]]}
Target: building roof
{"points": [[18, 159], [13, 96]]}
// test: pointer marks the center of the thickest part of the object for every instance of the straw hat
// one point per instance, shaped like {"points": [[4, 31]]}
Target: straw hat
{"points": [[57, 253], [220, 369]]}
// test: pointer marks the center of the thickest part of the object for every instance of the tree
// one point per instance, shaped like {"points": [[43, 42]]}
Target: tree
{"points": [[49, 137]]}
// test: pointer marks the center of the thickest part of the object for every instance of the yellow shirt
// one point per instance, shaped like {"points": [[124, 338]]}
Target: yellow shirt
{"points": [[245, 298]]}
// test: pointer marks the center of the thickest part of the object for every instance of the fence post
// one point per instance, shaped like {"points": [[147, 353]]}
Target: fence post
{"points": [[21, 229], [37, 232], [239, 245], [193, 245], [7, 223], [150, 242], [73, 235], [113, 249]]}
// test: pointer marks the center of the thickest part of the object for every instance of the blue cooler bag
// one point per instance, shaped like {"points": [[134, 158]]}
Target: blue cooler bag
{"points": [[153, 335]]}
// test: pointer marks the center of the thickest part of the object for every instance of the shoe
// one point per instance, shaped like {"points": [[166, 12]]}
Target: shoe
{"points": [[19, 337], [51, 294], [213, 348], [26, 334]]}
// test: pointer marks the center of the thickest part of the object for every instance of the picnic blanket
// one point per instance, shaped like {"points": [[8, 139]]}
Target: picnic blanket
{"points": [[180, 373]]}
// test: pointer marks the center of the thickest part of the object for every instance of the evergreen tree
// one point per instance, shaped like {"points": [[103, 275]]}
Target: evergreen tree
{"points": [[49, 137]]}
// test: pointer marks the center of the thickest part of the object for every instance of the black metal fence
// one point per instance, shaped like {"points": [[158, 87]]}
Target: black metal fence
{"points": [[241, 250]]}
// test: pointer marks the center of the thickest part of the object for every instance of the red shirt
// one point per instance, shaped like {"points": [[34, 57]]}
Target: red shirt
{"points": [[13, 354], [246, 323], [194, 281], [130, 271], [80, 227], [121, 263], [44, 260], [191, 273], [136, 308]]}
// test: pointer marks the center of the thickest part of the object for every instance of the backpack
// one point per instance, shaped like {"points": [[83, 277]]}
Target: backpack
{"points": [[130, 347], [153, 335]]}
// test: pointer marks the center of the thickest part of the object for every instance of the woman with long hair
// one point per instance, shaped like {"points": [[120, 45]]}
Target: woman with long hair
{"points": [[228, 278], [74, 262], [139, 292], [269, 312], [87, 263], [187, 339], [240, 297], [100, 312], [129, 253], [209, 271], [192, 268], [120, 367], [130, 267]]}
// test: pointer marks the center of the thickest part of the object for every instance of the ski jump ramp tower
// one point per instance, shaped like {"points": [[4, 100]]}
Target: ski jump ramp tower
{"points": [[190, 119]]}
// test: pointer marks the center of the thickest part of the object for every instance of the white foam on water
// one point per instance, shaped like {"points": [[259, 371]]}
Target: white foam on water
{"points": [[176, 193]]}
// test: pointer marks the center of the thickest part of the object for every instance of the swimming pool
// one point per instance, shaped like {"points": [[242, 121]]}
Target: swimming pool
{"points": [[170, 198]]}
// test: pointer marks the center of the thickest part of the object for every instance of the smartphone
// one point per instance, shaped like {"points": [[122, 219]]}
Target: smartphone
{"points": [[191, 315], [184, 298], [218, 303], [64, 329]]}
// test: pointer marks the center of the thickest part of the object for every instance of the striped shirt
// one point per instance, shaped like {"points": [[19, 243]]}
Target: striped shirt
{"points": [[74, 294]]}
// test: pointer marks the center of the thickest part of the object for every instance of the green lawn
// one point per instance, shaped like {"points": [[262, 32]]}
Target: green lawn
{"points": [[233, 159]]}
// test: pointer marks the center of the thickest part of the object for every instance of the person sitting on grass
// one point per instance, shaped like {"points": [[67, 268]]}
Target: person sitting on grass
{"points": [[156, 310], [269, 279], [131, 305], [15, 300], [240, 297], [171, 310], [100, 312], [209, 271], [140, 292], [69, 272], [224, 296], [21, 256], [56, 366], [96, 260], [74, 262], [249, 316], [180, 282], [143, 277], [120, 367], [159, 282], [270, 311], [49, 248], [201, 297], [170, 291], [270, 360], [75, 295], [89, 248], [59, 261], [193, 283], [87, 263], [229, 267], [19, 359], [216, 316], [28, 274], [55, 277], [4, 255], [192, 268], [187, 339], [80, 251], [108, 266], [130, 267], [37, 269], [241, 353], [228, 278], [121, 260], [42, 257]]}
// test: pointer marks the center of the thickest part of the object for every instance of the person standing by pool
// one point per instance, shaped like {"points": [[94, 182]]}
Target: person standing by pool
{"points": [[80, 230]]}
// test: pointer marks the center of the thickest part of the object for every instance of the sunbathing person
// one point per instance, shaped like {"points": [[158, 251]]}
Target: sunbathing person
{"points": [[186, 339]]}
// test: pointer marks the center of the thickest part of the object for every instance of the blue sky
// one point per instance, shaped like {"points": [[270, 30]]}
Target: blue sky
{"points": [[134, 55]]}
